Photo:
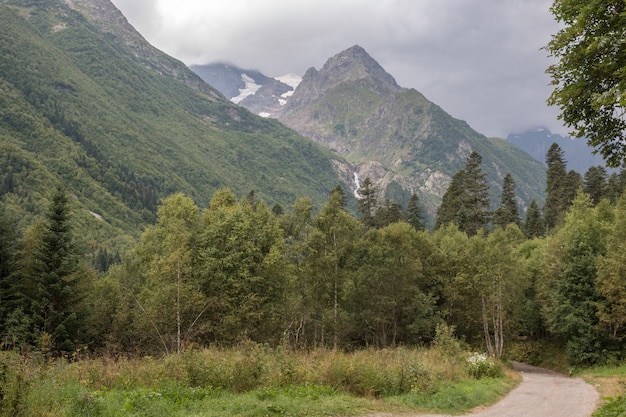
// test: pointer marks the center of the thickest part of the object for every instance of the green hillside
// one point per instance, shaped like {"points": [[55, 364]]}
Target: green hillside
{"points": [[79, 106]]}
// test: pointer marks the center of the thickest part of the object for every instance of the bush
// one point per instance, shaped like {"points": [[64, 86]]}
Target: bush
{"points": [[479, 365], [614, 407]]}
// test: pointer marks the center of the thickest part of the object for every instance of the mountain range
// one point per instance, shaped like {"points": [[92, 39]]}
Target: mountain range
{"points": [[86, 102], [578, 155], [394, 135]]}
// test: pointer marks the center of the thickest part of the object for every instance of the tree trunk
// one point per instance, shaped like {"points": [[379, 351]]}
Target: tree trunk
{"points": [[486, 328]]}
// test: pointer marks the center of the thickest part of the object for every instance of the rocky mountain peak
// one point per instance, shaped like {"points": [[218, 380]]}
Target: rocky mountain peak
{"points": [[350, 69], [354, 64]]}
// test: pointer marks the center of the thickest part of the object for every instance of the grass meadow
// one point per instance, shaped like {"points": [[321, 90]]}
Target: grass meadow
{"points": [[252, 380]]}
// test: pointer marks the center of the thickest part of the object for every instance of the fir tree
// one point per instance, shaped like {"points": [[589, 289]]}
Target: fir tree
{"points": [[367, 204], [388, 213], [414, 214], [453, 201], [533, 224], [477, 215], [508, 211], [595, 184], [558, 198], [56, 308]]}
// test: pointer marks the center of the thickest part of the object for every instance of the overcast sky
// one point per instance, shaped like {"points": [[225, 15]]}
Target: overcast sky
{"points": [[480, 60]]}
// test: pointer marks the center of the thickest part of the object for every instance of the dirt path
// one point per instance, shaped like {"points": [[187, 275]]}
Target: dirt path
{"points": [[543, 393]]}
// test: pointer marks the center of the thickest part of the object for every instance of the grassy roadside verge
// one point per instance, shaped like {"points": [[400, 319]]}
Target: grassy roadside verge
{"points": [[610, 381], [252, 381]]}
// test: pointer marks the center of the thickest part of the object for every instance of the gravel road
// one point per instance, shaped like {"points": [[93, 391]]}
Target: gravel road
{"points": [[543, 393]]}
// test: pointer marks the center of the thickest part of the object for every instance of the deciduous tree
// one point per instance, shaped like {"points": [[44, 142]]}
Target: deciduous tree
{"points": [[589, 78]]}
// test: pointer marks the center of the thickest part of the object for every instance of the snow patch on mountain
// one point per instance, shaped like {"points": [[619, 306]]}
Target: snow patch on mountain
{"points": [[250, 88], [292, 80]]}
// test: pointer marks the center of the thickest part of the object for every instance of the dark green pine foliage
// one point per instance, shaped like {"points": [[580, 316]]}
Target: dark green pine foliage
{"points": [[477, 209], [615, 186], [56, 299], [534, 224], [415, 214], [466, 201], [390, 212], [368, 202], [507, 212], [8, 236], [343, 198], [453, 202], [558, 195], [595, 183]]}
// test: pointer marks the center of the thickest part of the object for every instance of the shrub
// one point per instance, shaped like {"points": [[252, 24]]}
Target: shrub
{"points": [[479, 365]]}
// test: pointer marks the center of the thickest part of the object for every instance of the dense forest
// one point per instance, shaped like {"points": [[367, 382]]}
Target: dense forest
{"points": [[239, 270]]}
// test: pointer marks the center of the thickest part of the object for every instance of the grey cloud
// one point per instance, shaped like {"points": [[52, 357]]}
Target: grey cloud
{"points": [[480, 60]]}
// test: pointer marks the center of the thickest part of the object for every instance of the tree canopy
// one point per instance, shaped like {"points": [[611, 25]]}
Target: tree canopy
{"points": [[590, 76]]}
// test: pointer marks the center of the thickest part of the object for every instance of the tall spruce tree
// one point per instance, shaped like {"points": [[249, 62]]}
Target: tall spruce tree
{"points": [[56, 302], [533, 223], [414, 214], [507, 212], [453, 202], [390, 212], [595, 183], [477, 214], [466, 201], [368, 202], [558, 196]]}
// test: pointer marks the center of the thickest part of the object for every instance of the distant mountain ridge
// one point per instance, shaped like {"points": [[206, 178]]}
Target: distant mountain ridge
{"points": [[257, 92], [394, 135], [578, 154], [405, 143]]}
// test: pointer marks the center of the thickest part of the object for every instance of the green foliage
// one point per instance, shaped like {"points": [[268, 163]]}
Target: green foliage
{"points": [[479, 365], [570, 288], [589, 76], [507, 212], [466, 202], [613, 407], [107, 118]]}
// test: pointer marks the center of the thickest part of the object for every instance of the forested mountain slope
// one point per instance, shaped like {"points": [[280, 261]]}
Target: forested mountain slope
{"points": [[87, 102]]}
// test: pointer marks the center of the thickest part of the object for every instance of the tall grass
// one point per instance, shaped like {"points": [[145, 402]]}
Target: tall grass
{"points": [[231, 380]]}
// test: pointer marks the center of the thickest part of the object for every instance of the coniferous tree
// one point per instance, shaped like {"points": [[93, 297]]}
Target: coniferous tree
{"points": [[368, 202], [533, 224], [508, 211], [453, 202], [8, 237], [595, 183], [477, 214], [388, 213], [56, 301], [615, 186], [558, 198], [342, 195], [414, 214]]}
